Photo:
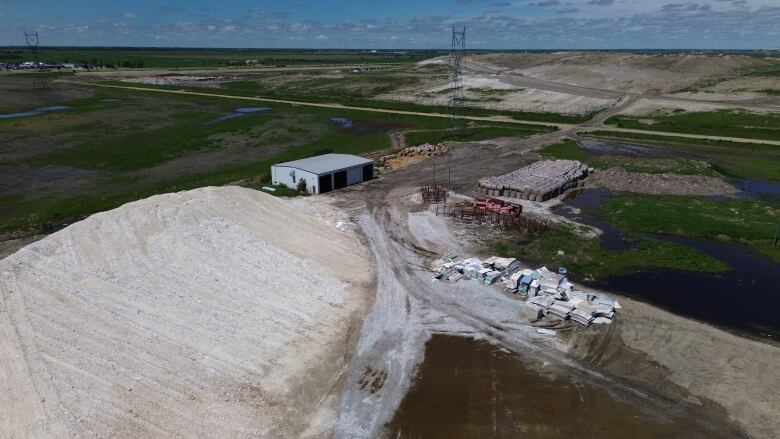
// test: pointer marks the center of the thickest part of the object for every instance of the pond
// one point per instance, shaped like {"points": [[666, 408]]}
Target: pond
{"points": [[752, 188], [35, 112], [343, 122], [599, 147], [743, 298]]}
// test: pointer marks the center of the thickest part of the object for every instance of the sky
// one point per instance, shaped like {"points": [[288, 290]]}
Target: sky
{"points": [[382, 24]]}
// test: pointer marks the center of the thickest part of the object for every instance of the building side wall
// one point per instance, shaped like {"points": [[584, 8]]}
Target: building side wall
{"points": [[281, 175]]}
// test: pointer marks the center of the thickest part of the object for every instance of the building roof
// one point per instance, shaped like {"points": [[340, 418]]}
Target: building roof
{"points": [[323, 164]]}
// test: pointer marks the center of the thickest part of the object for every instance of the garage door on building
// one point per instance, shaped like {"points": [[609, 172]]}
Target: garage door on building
{"points": [[325, 183], [339, 179]]}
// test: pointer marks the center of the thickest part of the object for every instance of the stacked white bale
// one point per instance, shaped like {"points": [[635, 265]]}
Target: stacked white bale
{"points": [[538, 181]]}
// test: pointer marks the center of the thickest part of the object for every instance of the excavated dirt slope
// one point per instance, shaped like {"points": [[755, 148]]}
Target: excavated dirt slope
{"points": [[626, 71], [218, 312]]}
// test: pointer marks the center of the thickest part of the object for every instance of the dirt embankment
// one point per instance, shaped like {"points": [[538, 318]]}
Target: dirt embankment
{"points": [[214, 312], [684, 359], [629, 72], [620, 180]]}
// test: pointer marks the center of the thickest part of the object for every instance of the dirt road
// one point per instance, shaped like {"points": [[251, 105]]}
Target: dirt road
{"points": [[593, 124]]}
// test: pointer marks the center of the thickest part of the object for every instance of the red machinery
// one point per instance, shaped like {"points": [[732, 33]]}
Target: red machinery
{"points": [[498, 206]]}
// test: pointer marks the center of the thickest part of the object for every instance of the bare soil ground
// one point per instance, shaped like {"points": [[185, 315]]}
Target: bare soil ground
{"points": [[625, 72], [658, 366], [214, 312]]}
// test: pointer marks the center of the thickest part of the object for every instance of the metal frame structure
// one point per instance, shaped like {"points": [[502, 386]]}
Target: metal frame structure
{"points": [[32, 41], [436, 193], [457, 62], [31, 38]]}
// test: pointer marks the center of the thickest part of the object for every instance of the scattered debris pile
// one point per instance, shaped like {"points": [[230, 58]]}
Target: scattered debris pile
{"points": [[426, 150], [434, 193], [538, 181], [498, 206], [411, 155], [620, 180], [546, 291], [507, 216]]}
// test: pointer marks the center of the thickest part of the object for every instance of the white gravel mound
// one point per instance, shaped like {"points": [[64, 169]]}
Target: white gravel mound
{"points": [[217, 312]]}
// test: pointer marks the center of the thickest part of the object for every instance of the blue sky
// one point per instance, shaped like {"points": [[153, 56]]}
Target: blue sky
{"points": [[491, 24]]}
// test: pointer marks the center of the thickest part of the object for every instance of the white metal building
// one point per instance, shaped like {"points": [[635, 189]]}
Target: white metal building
{"points": [[323, 173]]}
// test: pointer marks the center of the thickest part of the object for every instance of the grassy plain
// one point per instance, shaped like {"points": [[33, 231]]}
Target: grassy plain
{"points": [[569, 150], [588, 257], [727, 123], [481, 131], [742, 160], [250, 90], [750, 222], [114, 146]]}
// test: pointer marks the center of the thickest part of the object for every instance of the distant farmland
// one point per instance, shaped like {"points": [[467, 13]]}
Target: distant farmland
{"points": [[192, 58]]}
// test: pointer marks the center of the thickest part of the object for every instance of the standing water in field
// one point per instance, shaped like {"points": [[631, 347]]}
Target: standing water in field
{"points": [[35, 112], [239, 112], [343, 122], [742, 298], [752, 188], [621, 148]]}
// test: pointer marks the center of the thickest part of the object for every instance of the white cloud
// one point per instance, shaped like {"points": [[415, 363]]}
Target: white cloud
{"points": [[321, 37], [130, 15]]}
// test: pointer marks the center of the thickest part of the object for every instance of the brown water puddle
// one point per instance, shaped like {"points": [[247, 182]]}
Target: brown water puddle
{"points": [[471, 389]]}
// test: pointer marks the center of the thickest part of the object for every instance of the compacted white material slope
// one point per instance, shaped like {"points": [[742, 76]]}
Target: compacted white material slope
{"points": [[217, 312]]}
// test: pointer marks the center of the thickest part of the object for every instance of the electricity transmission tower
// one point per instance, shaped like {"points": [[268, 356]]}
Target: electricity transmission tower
{"points": [[457, 62], [31, 38]]}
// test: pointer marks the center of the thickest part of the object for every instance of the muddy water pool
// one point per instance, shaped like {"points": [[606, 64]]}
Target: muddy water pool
{"points": [[471, 389]]}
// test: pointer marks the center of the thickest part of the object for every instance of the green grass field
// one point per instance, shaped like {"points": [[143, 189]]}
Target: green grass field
{"points": [[750, 222], [587, 257], [726, 123], [258, 91], [741, 160], [677, 165], [118, 146], [483, 131]]}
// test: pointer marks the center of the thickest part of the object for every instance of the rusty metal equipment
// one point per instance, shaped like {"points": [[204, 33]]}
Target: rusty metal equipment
{"points": [[435, 193]]}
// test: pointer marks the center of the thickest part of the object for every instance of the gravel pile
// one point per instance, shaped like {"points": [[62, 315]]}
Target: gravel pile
{"points": [[620, 180], [218, 312]]}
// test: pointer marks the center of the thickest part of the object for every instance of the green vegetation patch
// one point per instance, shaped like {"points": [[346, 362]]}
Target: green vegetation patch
{"points": [[256, 91], [743, 160], [105, 154], [750, 222], [569, 150], [588, 257], [474, 134], [727, 123]]}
